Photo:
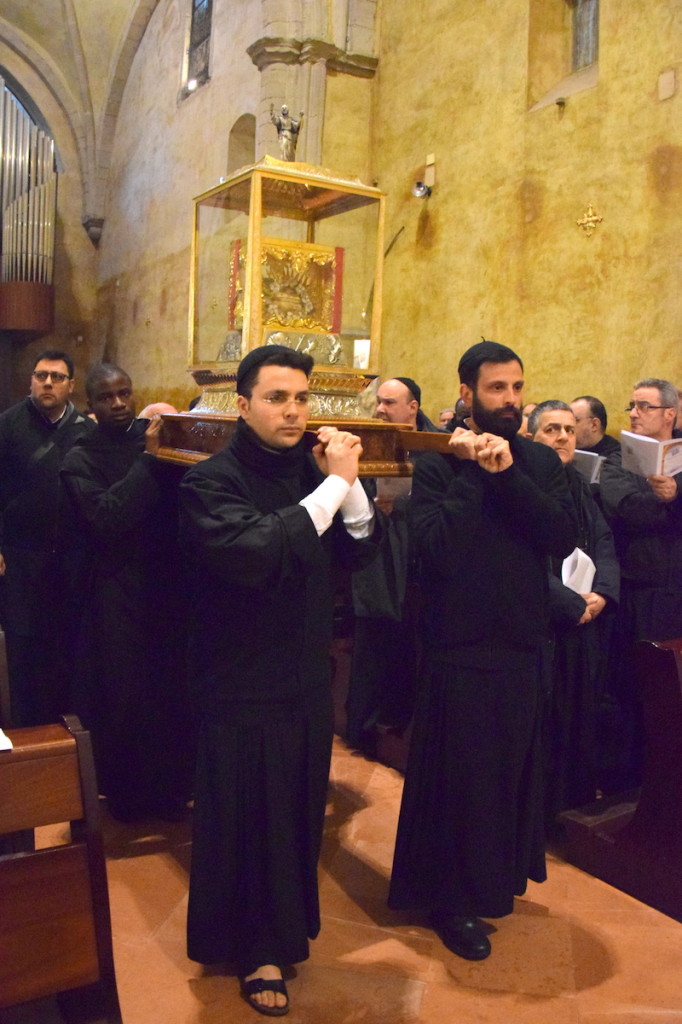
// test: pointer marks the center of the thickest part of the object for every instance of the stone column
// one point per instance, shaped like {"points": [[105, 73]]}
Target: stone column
{"points": [[294, 63], [316, 75]]}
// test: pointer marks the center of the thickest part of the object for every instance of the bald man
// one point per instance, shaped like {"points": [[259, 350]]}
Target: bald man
{"points": [[385, 653]]}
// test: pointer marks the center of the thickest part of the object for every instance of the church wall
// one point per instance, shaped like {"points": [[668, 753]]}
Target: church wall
{"points": [[166, 152], [496, 249], [348, 118]]}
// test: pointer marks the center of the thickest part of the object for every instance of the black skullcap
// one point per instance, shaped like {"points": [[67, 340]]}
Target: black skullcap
{"points": [[412, 387], [483, 352], [264, 353]]}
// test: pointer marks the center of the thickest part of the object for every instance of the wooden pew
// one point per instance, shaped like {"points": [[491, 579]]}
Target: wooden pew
{"points": [[635, 842], [55, 926]]}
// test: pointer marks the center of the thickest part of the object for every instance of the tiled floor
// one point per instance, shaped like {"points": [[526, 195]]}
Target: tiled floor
{"points": [[574, 952]]}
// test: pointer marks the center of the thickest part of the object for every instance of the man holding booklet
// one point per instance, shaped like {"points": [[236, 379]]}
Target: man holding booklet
{"points": [[582, 588], [645, 511]]}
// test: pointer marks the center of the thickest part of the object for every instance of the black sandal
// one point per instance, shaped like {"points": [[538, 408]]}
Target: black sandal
{"points": [[256, 985]]}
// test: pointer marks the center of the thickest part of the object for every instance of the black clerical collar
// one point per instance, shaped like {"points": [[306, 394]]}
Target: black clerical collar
{"points": [[276, 462]]}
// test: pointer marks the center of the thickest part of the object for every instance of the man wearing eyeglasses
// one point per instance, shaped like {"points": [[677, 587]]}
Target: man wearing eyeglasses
{"points": [[265, 523], [35, 435], [646, 518]]}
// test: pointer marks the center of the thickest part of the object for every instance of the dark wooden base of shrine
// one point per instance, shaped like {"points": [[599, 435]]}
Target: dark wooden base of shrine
{"points": [[634, 841], [188, 437]]}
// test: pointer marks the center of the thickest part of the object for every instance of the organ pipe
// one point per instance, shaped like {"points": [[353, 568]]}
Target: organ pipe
{"points": [[28, 195]]}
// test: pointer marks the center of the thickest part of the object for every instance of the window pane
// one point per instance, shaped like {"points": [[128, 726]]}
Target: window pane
{"points": [[199, 41], [201, 22], [585, 33]]}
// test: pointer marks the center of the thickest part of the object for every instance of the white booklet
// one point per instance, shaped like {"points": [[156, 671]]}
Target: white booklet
{"points": [[589, 465], [577, 572], [5, 741], [646, 456]]}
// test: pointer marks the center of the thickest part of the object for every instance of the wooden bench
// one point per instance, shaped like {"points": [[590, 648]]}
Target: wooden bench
{"points": [[55, 925]]}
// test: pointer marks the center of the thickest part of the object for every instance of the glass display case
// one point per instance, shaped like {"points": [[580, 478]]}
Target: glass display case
{"points": [[286, 253]]}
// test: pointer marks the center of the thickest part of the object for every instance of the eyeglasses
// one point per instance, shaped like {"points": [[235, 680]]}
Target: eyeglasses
{"points": [[644, 406], [281, 398], [55, 376]]}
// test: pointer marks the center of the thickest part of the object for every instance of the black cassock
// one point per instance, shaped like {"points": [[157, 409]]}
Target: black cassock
{"points": [[262, 617], [31, 604], [579, 662], [119, 541], [470, 832]]}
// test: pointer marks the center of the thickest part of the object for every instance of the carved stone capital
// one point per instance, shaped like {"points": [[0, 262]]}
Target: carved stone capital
{"points": [[270, 50], [276, 50], [359, 64]]}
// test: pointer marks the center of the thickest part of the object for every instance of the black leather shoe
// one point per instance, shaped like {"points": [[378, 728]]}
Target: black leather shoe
{"points": [[462, 935]]}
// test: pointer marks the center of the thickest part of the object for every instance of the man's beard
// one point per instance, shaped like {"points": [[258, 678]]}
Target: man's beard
{"points": [[496, 421]]}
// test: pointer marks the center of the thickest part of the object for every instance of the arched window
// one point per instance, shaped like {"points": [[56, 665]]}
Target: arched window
{"points": [[242, 145], [563, 49], [198, 45]]}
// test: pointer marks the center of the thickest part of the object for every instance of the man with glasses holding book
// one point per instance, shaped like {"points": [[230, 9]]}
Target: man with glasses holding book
{"points": [[35, 435], [645, 514]]}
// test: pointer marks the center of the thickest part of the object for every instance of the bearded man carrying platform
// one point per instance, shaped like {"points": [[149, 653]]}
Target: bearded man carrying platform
{"points": [[265, 522], [485, 519]]}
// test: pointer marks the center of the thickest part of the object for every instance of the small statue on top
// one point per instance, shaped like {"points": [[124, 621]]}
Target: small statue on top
{"points": [[287, 131]]}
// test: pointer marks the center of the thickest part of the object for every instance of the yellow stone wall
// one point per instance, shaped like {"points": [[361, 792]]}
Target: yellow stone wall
{"points": [[496, 249], [166, 152], [347, 126]]}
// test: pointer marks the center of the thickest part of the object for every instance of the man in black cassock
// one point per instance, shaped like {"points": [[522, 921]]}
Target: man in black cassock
{"points": [[485, 520], [591, 421], [645, 514], [582, 623], [119, 540], [264, 523], [35, 435], [381, 687]]}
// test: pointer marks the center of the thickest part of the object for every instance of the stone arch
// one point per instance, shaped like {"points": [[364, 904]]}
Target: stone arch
{"points": [[241, 148], [93, 146], [136, 26], [38, 65]]}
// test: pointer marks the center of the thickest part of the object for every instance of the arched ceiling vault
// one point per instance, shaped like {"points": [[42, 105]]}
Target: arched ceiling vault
{"points": [[82, 51]]}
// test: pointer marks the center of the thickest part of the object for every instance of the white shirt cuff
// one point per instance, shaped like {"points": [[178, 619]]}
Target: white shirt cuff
{"points": [[335, 493], [358, 512]]}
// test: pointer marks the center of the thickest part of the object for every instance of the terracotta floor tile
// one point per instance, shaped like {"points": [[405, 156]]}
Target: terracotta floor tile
{"points": [[373, 949], [575, 951], [375, 824], [531, 956], [637, 1017], [326, 995], [586, 894], [443, 1003], [645, 968], [143, 891]]}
